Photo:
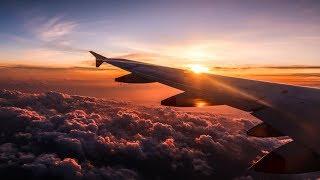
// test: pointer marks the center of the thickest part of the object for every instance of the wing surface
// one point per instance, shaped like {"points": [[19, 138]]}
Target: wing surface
{"points": [[285, 110]]}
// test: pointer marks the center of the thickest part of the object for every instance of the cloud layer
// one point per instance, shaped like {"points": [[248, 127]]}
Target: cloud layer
{"points": [[55, 135]]}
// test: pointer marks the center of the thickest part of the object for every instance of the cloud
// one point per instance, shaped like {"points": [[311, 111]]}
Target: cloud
{"points": [[55, 135], [53, 28], [55, 33]]}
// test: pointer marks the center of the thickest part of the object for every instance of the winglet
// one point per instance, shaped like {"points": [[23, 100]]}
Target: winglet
{"points": [[99, 58]]}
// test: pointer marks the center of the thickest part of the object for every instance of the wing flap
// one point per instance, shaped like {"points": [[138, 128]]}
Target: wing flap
{"points": [[264, 130], [287, 159], [235, 101]]}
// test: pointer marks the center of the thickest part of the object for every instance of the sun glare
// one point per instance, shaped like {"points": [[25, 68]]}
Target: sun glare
{"points": [[197, 68], [201, 103], [197, 54]]}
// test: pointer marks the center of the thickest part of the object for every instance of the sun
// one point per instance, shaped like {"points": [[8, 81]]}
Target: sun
{"points": [[197, 68], [199, 52]]}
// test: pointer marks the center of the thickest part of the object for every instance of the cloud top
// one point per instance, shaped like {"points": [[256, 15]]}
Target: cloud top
{"points": [[55, 135]]}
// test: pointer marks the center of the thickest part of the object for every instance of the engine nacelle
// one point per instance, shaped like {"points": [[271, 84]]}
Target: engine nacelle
{"points": [[185, 100]]}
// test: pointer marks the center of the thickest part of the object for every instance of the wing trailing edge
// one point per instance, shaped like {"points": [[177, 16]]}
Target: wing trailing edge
{"points": [[191, 99]]}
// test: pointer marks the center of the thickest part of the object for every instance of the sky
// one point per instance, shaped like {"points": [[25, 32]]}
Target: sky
{"points": [[172, 33]]}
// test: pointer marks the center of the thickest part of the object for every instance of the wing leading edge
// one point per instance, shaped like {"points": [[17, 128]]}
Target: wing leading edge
{"points": [[285, 110]]}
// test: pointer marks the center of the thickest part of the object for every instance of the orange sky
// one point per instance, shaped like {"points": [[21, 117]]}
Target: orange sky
{"points": [[100, 82]]}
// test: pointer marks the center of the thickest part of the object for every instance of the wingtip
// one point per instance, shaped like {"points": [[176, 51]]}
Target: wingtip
{"points": [[99, 58], [93, 53], [97, 55]]}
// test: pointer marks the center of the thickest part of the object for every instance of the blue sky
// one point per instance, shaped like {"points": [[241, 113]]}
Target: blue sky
{"points": [[175, 33]]}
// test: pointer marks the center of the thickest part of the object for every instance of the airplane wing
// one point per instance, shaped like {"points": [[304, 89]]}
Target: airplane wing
{"points": [[284, 109]]}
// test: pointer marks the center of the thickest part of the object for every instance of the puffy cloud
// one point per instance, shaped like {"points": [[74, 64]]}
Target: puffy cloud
{"points": [[54, 135]]}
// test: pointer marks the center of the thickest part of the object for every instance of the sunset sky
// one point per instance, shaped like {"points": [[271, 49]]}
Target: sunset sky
{"points": [[61, 117], [173, 33]]}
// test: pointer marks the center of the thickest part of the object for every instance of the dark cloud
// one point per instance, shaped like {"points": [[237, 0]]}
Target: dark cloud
{"points": [[55, 135]]}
